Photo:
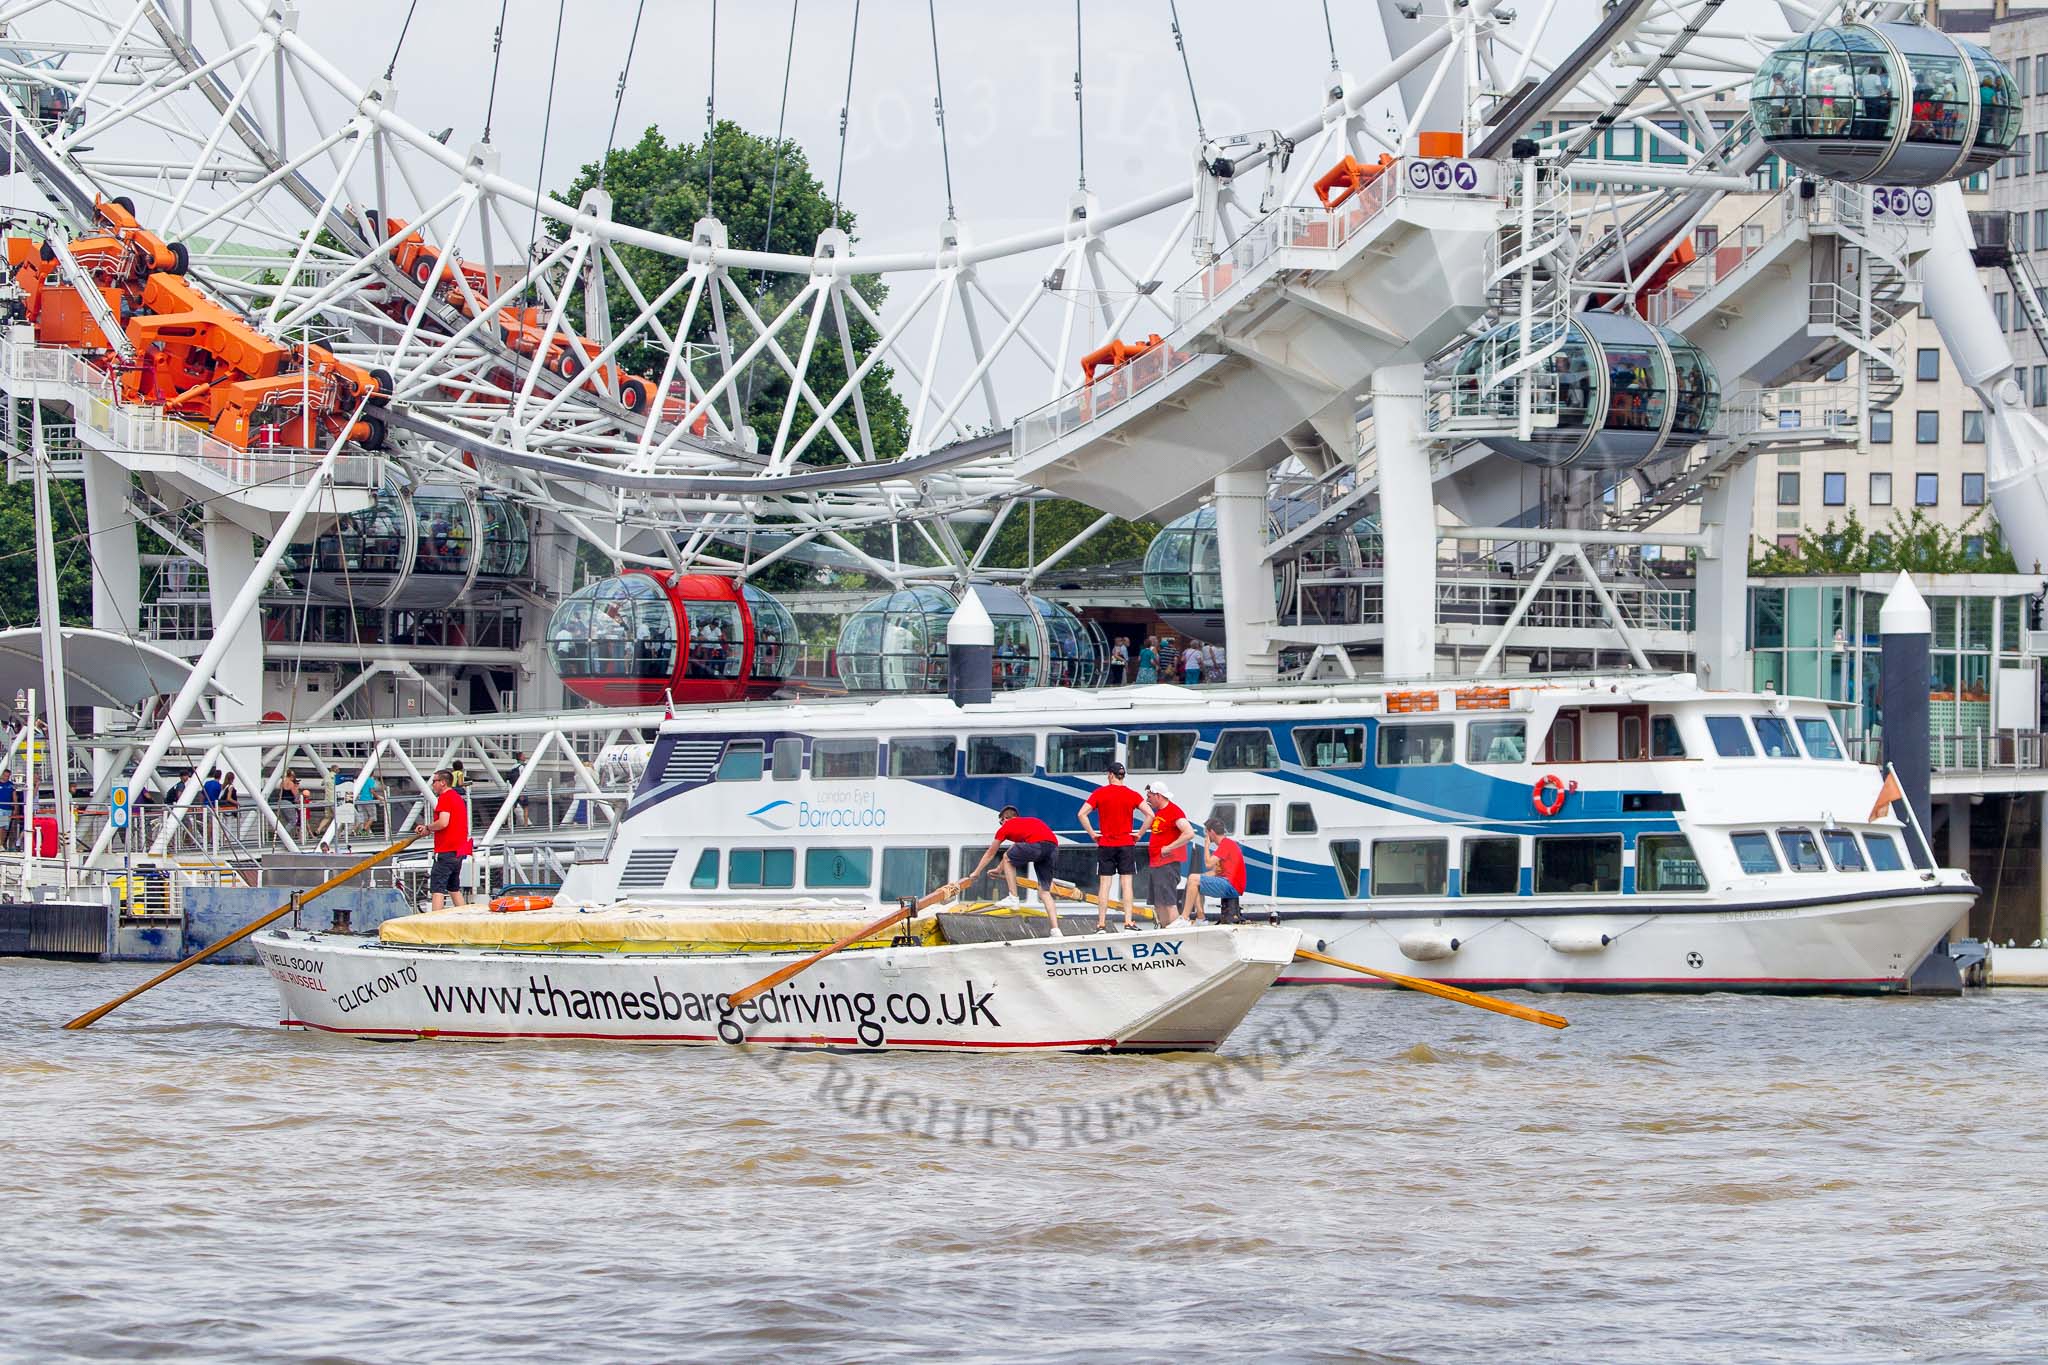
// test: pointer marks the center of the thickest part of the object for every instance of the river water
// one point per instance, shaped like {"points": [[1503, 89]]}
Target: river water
{"points": [[1374, 1175]]}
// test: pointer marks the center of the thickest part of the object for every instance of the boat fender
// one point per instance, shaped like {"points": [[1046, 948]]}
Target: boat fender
{"points": [[1548, 795], [1579, 940], [1428, 947]]}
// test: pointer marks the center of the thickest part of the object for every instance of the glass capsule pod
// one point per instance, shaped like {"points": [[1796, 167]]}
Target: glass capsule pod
{"points": [[1886, 104], [420, 547], [646, 636], [1625, 390], [1319, 584], [897, 642]]}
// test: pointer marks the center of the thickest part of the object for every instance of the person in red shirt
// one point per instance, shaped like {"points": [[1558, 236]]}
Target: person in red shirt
{"points": [[1033, 847], [1116, 848], [1224, 879], [450, 828], [1168, 833]]}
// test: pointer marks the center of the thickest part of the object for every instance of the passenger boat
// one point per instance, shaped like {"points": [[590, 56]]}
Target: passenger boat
{"points": [[641, 972], [1628, 833]]}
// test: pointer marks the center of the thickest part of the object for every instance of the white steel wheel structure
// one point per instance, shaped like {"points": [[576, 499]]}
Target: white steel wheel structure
{"points": [[1049, 358]]}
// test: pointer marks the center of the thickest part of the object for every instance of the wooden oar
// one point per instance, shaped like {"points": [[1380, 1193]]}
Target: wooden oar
{"points": [[804, 964], [1438, 988], [91, 1017], [1413, 983]]}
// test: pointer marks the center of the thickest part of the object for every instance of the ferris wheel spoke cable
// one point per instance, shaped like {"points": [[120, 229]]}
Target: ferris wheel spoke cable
{"points": [[497, 52], [1080, 110], [604, 162], [711, 122], [939, 106], [391, 67], [547, 119], [1180, 46], [845, 104]]}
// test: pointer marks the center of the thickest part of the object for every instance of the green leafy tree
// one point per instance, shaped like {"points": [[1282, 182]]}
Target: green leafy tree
{"points": [[1056, 521], [74, 567], [660, 186], [1912, 541]]}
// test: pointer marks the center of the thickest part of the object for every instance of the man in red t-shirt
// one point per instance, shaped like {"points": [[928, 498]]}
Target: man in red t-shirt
{"points": [[1224, 880], [1116, 849], [1168, 832], [450, 828], [1033, 846]]}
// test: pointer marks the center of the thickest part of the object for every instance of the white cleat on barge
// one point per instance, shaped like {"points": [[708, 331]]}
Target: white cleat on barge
{"points": [[663, 981]]}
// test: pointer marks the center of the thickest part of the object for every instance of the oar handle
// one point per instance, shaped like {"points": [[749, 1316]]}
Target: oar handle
{"points": [[91, 1017], [804, 964], [1438, 988]]}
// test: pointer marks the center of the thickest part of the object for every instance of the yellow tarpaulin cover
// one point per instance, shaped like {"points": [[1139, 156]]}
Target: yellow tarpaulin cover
{"points": [[634, 928]]}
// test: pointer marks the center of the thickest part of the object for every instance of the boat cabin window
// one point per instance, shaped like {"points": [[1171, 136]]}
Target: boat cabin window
{"points": [[1776, 737], [839, 868], [747, 869], [1090, 752], [1258, 820], [1409, 746], [1159, 751], [1409, 867], [1567, 866], [1802, 854], [1493, 867], [1632, 747], [1755, 853], [789, 760], [1244, 751], [1333, 746], [705, 878], [1562, 746], [1665, 741], [1884, 853], [742, 761], [1226, 811], [1496, 741], [922, 756], [1001, 755], [842, 760], [913, 872], [1665, 862], [1819, 734], [1731, 737], [1301, 818], [1843, 851], [1344, 858]]}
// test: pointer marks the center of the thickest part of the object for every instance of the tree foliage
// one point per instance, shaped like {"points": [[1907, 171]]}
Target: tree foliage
{"points": [[74, 567], [1051, 523], [660, 186], [1912, 541]]}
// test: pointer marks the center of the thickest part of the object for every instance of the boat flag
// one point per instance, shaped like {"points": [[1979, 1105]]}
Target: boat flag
{"points": [[1891, 791], [668, 710]]}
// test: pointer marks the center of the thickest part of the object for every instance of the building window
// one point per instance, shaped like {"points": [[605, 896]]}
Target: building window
{"points": [[2019, 158], [1788, 490], [1973, 547], [1973, 490], [1998, 310], [1624, 143], [1788, 419], [1705, 239], [1789, 544], [2040, 75], [2039, 395], [1839, 373], [1881, 427], [1880, 490], [1834, 490], [1927, 428], [1973, 428], [1926, 490], [2019, 220], [1662, 150], [1927, 364]]}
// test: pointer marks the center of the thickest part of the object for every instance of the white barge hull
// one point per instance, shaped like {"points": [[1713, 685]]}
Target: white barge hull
{"points": [[1162, 991], [1848, 945]]}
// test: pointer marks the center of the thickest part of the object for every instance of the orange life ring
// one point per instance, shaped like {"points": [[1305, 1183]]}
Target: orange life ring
{"points": [[511, 905], [1548, 796]]}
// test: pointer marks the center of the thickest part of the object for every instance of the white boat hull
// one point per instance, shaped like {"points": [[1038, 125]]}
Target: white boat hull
{"points": [[1153, 992], [1850, 945]]}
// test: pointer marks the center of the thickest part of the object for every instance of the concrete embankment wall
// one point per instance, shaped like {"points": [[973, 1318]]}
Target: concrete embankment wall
{"points": [[211, 914]]}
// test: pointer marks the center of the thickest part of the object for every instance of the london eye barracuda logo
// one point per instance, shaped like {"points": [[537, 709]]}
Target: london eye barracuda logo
{"points": [[849, 808]]}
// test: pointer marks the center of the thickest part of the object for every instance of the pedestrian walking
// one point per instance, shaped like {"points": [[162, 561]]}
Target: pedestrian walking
{"points": [[1119, 662], [9, 794], [1191, 665], [1116, 852], [1148, 660]]}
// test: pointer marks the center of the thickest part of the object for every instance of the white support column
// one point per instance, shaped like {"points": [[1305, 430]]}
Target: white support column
{"points": [[2041, 875], [1721, 602], [230, 564], [1407, 523], [117, 574], [1248, 604], [1959, 855]]}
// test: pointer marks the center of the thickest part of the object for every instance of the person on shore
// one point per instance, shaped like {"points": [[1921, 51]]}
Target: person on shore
{"points": [[228, 805], [1191, 665], [450, 828], [1224, 880], [1033, 848], [1168, 834], [1119, 662], [1116, 848], [8, 795], [295, 794], [1148, 660]]}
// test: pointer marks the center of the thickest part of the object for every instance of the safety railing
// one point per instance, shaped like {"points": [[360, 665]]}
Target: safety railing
{"points": [[1827, 408], [1730, 253]]}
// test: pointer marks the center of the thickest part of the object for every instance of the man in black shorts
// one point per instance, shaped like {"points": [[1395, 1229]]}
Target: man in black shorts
{"points": [[450, 828], [1033, 849], [1116, 851]]}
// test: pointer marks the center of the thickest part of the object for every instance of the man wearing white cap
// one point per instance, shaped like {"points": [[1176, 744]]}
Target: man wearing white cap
{"points": [[1168, 831]]}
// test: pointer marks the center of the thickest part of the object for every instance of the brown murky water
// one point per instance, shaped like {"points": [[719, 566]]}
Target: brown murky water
{"points": [[1379, 1176]]}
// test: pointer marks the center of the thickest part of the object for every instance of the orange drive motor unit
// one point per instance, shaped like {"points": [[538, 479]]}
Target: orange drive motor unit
{"points": [[121, 260], [1116, 354], [1351, 175]]}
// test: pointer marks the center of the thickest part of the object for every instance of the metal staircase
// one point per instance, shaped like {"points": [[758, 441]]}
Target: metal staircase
{"points": [[1528, 268], [1752, 423], [2026, 293]]}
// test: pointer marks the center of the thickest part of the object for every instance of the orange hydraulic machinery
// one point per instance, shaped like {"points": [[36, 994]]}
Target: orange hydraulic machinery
{"points": [[1658, 279], [120, 259], [1116, 354], [186, 342], [1348, 177], [306, 408]]}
